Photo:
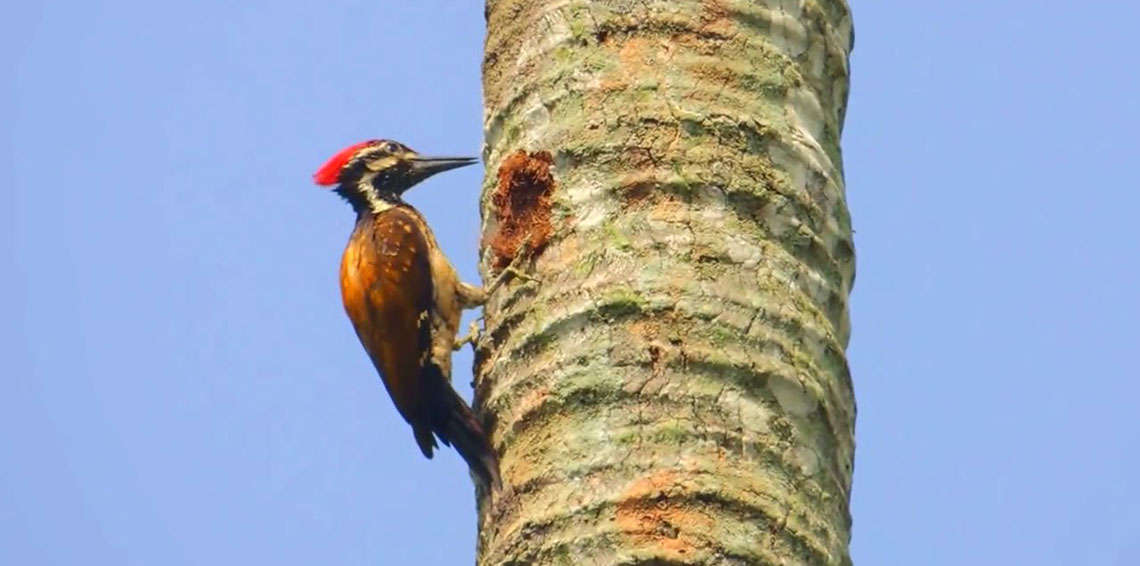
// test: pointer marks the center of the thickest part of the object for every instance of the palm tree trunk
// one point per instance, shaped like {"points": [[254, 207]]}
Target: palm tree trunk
{"points": [[673, 388]]}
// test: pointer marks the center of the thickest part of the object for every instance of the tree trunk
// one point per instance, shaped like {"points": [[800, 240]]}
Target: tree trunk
{"points": [[672, 388]]}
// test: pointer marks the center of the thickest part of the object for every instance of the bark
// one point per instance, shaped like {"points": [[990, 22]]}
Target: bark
{"points": [[673, 388]]}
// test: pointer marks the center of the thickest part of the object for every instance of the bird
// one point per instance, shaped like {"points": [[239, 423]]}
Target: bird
{"points": [[404, 297]]}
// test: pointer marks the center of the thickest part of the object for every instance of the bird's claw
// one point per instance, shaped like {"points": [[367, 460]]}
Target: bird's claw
{"points": [[471, 337], [513, 270], [519, 273]]}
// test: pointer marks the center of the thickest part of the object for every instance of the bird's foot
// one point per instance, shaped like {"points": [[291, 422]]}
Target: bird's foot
{"points": [[471, 338], [512, 270]]}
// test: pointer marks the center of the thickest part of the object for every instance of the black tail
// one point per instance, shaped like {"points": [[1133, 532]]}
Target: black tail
{"points": [[454, 422]]}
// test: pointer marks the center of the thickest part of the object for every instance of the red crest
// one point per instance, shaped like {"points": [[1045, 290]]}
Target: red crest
{"points": [[329, 173]]}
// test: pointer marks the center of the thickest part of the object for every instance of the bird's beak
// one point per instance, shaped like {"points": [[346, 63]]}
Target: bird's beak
{"points": [[424, 167]]}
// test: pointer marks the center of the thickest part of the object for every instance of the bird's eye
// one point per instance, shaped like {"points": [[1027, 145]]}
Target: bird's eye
{"points": [[391, 147]]}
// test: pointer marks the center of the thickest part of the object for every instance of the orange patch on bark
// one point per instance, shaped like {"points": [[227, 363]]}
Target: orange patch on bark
{"points": [[633, 55], [635, 192], [717, 19], [715, 11], [669, 208], [653, 522], [522, 205], [641, 186], [525, 467], [633, 59]]}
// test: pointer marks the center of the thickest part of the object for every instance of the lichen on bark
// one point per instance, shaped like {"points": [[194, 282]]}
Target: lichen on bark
{"points": [[673, 387]]}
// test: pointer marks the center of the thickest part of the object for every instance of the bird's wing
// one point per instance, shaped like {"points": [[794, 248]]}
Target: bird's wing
{"points": [[388, 295]]}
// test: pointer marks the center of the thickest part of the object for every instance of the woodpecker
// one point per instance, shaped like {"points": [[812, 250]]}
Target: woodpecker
{"points": [[404, 297]]}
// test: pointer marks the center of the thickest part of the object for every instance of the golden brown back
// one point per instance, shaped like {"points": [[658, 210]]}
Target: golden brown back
{"points": [[405, 299], [386, 284]]}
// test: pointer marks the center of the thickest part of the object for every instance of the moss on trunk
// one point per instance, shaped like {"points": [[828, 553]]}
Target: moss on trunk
{"points": [[673, 389]]}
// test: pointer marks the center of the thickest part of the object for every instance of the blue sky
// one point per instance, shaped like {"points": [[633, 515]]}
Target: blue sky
{"points": [[184, 387]]}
